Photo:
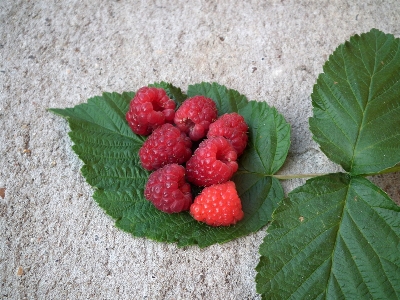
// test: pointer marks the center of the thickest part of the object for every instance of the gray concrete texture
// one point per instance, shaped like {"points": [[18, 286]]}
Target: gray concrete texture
{"points": [[55, 242]]}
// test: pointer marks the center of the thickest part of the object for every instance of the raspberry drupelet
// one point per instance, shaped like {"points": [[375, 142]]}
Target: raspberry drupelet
{"points": [[166, 145], [218, 205], [214, 161], [168, 190], [150, 108], [195, 115], [233, 127]]}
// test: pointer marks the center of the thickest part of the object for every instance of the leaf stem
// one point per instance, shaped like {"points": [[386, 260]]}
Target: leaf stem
{"points": [[294, 176]]}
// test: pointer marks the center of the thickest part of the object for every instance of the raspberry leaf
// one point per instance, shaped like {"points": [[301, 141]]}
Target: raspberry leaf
{"points": [[102, 112], [335, 237], [109, 150], [104, 143], [356, 104], [269, 138]]}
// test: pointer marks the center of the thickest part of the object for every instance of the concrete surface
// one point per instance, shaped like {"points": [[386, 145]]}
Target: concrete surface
{"points": [[55, 242]]}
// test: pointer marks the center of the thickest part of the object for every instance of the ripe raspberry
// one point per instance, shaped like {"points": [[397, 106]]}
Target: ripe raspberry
{"points": [[168, 190], [166, 145], [214, 161], [149, 109], [232, 127], [195, 115], [218, 205]]}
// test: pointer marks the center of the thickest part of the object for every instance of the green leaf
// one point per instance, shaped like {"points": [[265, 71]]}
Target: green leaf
{"points": [[104, 112], [269, 138], [357, 105], [104, 142], [336, 237]]}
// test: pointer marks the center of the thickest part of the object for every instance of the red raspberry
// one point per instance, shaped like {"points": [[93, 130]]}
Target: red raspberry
{"points": [[218, 205], [150, 108], [168, 190], [232, 127], [166, 145], [214, 161], [195, 115]]}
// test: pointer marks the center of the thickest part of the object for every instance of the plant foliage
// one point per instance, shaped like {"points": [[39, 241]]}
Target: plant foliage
{"points": [[335, 237], [109, 149], [338, 236]]}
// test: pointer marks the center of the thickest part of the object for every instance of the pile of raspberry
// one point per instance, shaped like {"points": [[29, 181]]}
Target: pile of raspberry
{"points": [[189, 145]]}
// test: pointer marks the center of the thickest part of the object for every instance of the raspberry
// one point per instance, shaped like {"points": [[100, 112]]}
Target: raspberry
{"points": [[218, 205], [214, 161], [168, 190], [232, 127], [166, 145], [149, 109], [195, 115]]}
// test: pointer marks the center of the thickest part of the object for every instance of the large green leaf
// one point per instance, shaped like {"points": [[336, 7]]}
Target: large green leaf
{"points": [[109, 150], [356, 104], [336, 237], [269, 138]]}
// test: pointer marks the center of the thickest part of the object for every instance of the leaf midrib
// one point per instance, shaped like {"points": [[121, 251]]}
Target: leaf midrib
{"points": [[366, 104], [337, 238], [295, 227]]}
